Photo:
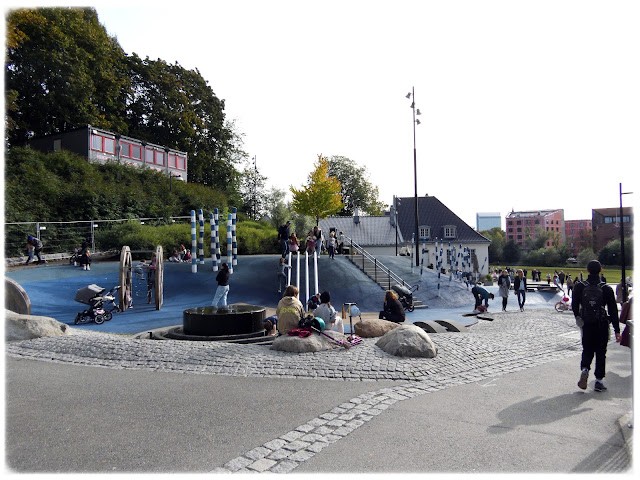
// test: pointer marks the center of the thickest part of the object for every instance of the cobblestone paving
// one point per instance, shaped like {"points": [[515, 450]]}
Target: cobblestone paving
{"points": [[512, 342]]}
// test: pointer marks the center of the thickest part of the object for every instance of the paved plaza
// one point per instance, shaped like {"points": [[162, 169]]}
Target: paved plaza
{"points": [[318, 412]]}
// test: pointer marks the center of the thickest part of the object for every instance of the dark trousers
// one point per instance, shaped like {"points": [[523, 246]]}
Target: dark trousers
{"points": [[522, 296], [594, 342], [285, 247], [477, 297]]}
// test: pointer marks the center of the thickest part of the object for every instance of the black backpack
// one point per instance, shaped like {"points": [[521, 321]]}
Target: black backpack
{"points": [[592, 303]]}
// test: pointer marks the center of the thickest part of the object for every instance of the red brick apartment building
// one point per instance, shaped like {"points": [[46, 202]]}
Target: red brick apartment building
{"points": [[579, 235], [606, 225], [522, 225]]}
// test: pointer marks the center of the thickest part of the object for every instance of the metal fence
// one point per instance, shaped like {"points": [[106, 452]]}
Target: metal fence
{"points": [[64, 237]]}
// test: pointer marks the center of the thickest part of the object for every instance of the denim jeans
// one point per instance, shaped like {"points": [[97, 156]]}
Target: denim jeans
{"points": [[522, 296], [221, 295]]}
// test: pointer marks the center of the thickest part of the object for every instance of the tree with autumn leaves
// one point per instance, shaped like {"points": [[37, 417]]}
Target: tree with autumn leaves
{"points": [[321, 196]]}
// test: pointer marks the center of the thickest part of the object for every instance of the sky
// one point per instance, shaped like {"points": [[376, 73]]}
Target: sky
{"points": [[525, 105]]}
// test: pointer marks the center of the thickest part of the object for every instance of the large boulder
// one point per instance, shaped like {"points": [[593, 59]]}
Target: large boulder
{"points": [[313, 343], [374, 327], [26, 327], [408, 341]]}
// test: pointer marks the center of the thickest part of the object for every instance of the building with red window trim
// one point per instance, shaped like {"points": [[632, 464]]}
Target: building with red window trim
{"points": [[101, 146], [579, 235], [522, 225], [606, 225]]}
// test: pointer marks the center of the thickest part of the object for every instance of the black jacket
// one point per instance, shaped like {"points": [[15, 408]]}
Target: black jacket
{"points": [[394, 311], [516, 283], [609, 299], [223, 278]]}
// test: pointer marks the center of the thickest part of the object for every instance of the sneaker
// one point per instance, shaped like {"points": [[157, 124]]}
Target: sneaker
{"points": [[599, 387], [582, 383]]}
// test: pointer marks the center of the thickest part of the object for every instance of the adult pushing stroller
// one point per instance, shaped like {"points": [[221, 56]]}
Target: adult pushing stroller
{"points": [[405, 295], [101, 305]]}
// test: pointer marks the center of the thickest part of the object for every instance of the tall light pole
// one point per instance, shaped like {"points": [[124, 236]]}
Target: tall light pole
{"points": [[412, 96], [625, 294], [255, 185]]}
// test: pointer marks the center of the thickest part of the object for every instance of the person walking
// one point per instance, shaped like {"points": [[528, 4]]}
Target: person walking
{"points": [[284, 232], [34, 246], [289, 310], [569, 285], [223, 286], [331, 245], [588, 304], [504, 284], [340, 239], [520, 287]]}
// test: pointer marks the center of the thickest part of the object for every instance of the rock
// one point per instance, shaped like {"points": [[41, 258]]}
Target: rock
{"points": [[314, 343], [374, 327], [408, 341], [26, 327], [15, 297]]}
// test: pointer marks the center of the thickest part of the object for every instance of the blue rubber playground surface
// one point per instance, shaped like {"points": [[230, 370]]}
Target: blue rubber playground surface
{"points": [[52, 288]]}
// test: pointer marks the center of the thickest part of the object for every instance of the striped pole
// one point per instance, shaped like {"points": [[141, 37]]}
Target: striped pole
{"points": [[229, 242], [298, 269], [306, 275], [212, 247], [289, 270], [315, 271], [234, 238], [201, 237], [216, 217], [450, 252], [424, 248], [194, 260]]}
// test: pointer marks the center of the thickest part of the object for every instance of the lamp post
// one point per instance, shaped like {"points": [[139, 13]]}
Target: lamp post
{"points": [[412, 96], [255, 185], [396, 202], [625, 294]]}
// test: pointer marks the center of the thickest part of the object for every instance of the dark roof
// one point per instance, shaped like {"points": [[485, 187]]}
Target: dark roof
{"points": [[434, 214], [370, 231]]}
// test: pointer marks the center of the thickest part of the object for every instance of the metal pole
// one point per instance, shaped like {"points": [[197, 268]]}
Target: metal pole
{"points": [[624, 273], [415, 169]]}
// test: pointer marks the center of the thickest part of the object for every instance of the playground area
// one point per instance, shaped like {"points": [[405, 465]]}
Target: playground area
{"points": [[52, 287]]}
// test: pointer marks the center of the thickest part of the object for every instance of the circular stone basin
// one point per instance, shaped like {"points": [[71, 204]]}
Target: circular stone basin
{"points": [[229, 320]]}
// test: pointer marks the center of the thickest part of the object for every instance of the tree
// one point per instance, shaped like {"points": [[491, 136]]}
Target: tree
{"points": [[173, 106], [252, 185], [321, 197], [511, 252], [62, 71], [497, 237], [611, 254], [355, 188]]}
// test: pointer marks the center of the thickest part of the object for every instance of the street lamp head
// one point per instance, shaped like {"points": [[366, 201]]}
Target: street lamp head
{"points": [[417, 122], [408, 95], [418, 112]]}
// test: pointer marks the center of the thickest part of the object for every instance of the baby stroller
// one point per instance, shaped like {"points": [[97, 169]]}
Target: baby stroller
{"points": [[405, 296], [97, 300]]}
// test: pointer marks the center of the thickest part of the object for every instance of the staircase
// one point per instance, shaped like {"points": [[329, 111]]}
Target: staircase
{"points": [[377, 271]]}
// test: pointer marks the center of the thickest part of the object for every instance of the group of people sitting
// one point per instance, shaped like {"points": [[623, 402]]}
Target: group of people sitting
{"points": [[181, 255], [290, 310]]}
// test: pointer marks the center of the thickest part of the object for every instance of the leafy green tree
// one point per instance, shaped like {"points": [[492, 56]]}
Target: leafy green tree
{"points": [[356, 189], [540, 241], [254, 200], [176, 107], [62, 71], [585, 256], [511, 252], [321, 196], [611, 254], [497, 237]]}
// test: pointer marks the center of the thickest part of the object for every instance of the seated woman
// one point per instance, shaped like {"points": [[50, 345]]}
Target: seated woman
{"points": [[289, 311], [328, 314], [85, 259], [175, 257], [392, 309]]}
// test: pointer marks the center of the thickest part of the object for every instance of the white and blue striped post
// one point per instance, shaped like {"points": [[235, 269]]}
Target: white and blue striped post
{"points": [[229, 242], [201, 237], [298, 269], [216, 217], [212, 247], [289, 270], [306, 276], [424, 247], [413, 250], [315, 272], [194, 258], [450, 250], [234, 238]]}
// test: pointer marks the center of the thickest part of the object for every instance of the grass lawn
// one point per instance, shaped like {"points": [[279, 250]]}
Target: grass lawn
{"points": [[612, 274]]}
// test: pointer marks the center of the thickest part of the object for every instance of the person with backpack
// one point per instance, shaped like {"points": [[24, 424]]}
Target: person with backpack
{"points": [[588, 304], [284, 232]]}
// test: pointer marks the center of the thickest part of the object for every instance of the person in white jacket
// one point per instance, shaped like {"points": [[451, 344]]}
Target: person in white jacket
{"points": [[327, 313]]}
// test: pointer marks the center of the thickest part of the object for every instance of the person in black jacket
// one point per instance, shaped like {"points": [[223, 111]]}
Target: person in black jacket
{"points": [[223, 286], [520, 287], [392, 308], [595, 334]]}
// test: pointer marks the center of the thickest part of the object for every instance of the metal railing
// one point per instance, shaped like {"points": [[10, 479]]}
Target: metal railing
{"points": [[64, 237], [379, 269]]}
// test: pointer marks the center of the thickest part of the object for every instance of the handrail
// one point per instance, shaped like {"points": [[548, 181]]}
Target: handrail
{"points": [[377, 264]]}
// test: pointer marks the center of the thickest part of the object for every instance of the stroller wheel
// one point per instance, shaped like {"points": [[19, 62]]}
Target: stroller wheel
{"points": [[411, 308], [99, 319], [108, 316], [78, 319]]}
